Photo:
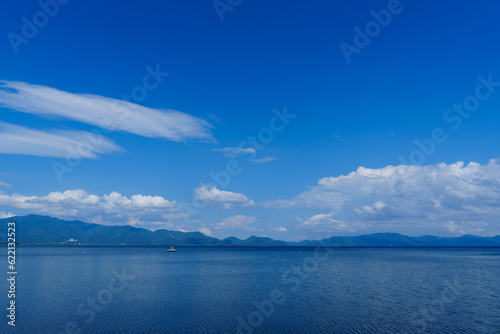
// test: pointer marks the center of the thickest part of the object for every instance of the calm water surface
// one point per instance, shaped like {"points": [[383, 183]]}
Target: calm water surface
{"points": [[255, 290]]}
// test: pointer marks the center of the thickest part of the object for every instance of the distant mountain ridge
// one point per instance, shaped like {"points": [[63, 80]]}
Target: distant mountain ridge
{"points": [[45, 229], [399, 240]]}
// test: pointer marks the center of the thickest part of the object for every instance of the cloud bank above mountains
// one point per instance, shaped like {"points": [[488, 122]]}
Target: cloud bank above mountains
{"points": [[456, 198], [79, 203], [446, 199]]}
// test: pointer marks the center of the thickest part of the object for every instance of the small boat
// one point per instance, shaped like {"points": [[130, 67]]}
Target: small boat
{"points": [[171, 249]]}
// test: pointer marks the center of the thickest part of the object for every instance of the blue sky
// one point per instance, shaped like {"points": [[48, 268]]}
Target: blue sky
{"points": [[344, 162]]}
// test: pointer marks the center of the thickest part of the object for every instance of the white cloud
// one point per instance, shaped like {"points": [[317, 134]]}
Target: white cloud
{"points": [[168, 224], [134, 220], [281, 229], [4, 214], [324, 223], [100, 221], [453, 227], [233, 152], [103, 111], [205, 231], [314, 198], [5, 185], [115, 200], [238, 221], [164, 225], [149, 201], [377, 206], [177, 215], [264, 160], [81, 204], [228, 199], [409, 199], [16, 139]]}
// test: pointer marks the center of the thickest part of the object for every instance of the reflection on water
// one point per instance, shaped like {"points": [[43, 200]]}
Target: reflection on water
{"points": [[256, 290]]}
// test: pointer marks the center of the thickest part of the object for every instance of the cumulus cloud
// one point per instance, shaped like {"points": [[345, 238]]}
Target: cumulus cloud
{"points": [[16, 139], [205, 231], [4, 214], [103, 111], [377, 206], [148, 201], [226, 198], [78, 203], [406, 198]]}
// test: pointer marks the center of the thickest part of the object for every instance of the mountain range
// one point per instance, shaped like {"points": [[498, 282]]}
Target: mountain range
{"points": [[35, 229]]}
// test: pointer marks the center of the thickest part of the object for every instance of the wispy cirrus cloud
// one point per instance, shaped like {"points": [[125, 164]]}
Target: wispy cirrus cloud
{"points": [[264, 160], [233, 152], [5, 185], [13, 175], [15, 139], [103, 111]]}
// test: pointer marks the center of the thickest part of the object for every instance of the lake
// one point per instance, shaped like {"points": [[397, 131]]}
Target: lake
{"points": [[76, 289]]}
